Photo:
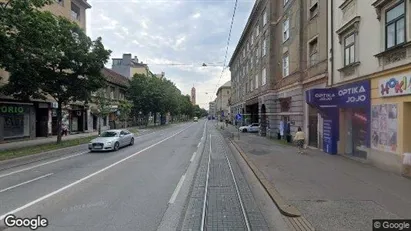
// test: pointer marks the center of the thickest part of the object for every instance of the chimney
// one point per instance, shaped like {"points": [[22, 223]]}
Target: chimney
{"points": [[126, 59]]}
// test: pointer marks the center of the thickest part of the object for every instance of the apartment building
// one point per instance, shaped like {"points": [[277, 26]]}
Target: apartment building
{"points": [[222, 101], [250, 65], [34, 118], [128, 66], [369, 73], [212, 109]]}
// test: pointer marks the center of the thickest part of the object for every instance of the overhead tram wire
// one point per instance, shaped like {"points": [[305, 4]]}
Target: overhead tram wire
{"points": [[228, 44]]}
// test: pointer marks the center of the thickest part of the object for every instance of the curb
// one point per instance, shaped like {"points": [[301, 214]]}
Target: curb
{"points": [[285, 208]]}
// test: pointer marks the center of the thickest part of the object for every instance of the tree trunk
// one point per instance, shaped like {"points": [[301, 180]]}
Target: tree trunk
{"points": [[155, 118], [99, 125], [59, 121]]}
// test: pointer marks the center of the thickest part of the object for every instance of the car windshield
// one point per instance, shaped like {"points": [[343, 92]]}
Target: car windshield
{"points": [[108, 134]]}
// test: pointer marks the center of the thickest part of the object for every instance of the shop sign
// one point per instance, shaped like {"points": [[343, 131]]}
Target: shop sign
{"points": [[11, 109], [349, 95], [394, 86]]}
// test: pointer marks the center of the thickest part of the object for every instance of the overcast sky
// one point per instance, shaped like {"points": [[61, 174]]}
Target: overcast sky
{"points": [[158, 32]]}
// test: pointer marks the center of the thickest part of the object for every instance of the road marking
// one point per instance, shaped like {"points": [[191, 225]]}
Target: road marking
{"points": [[60, 159], [39, 165], [192, 158], [17, 185], [87, 177], [203, 214], [199, 144], [177, 190]]}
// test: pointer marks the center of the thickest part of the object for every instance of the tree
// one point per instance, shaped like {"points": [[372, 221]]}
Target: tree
{"points": [[125, 108], [48, 56], [102, 106]]}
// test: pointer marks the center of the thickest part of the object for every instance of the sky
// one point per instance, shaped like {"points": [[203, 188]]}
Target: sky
{"points": [[165, 32]]}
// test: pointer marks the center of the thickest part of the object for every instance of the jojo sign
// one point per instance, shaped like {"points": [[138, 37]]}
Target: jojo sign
{"points": [[11, 109], [394, 86]]}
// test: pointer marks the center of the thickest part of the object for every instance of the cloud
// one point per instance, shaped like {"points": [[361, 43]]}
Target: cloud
{"points": [[176, 37]]}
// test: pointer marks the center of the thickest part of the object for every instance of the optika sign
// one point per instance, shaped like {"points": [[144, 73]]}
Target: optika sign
{"points": [[324, 96], [351, 91], [395, 86], [11, 109]]}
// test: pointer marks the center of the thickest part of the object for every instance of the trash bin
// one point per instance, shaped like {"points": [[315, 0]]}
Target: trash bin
{"points": [[406, 165]]}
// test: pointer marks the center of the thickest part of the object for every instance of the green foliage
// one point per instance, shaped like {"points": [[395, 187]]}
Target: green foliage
{"points": [[47, 55], [125, 108], [102, 106]]}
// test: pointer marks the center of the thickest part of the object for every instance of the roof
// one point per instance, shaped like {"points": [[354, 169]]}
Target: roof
{"points": [[115, 78], [225, 85], [246, 28]]}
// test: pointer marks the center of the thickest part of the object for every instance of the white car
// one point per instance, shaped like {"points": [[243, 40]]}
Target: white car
{"points": [[254, 127], [111, 140]]}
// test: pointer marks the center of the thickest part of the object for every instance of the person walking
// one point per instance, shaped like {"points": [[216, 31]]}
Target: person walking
{"points": [[299, 138]]}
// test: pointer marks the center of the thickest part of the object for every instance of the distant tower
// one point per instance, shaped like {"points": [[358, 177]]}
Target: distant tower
{"points": [[193, 95]]}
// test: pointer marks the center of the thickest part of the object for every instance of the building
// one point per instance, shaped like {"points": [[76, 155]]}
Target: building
{"points": [[34, 118], [193, 95], [222, 101], [128, 66], [250, 66], [212, 109], [365, 107]]}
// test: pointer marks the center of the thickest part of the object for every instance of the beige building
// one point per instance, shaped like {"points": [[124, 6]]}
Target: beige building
{"points": [[222, 101], [35, 118], [128, 66]]}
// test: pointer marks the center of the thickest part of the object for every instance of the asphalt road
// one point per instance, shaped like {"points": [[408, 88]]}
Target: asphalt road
{"points": [[125, 190]]}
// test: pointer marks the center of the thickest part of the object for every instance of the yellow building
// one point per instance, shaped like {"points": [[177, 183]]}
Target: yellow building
{"points": [[390, 116]]}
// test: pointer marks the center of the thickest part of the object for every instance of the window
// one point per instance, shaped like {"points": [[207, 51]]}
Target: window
{"points": [[256, 81], [248, 46], [286, 30], [257, 52], [264, 47], [313, 8], [264, 18], [285, 2], [395, 26], [263, 77], [257, 29], [286, 65], [349, 49], [75, 12], [228, 92], [251, 84], [244, 53], [116, 62], [313, 51], [111, 92], [252, 39]]}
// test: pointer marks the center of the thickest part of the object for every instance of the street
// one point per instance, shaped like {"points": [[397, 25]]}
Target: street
{"points": [[130, 189]]}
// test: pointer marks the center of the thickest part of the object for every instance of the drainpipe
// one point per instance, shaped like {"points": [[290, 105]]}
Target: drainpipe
{"points": [[332, 41]]}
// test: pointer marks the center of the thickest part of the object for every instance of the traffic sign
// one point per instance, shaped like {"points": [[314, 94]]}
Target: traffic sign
{"points": [[238, 117]]}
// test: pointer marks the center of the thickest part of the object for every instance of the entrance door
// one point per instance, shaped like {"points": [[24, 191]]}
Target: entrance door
{"points": [[313, 131]]}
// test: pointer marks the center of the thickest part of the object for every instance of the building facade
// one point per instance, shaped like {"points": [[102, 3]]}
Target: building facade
{"points": [[35, 118], [128, 66], [212, 109], [368, 95], [222, 101]]}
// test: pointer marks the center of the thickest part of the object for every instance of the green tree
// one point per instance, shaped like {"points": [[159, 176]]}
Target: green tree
{"points": [[125, 108], [48, 56], [102, 106], [139, 95]]}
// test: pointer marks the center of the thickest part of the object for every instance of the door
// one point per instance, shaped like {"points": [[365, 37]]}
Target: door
{"points": [[313, 130], [123, 138]]}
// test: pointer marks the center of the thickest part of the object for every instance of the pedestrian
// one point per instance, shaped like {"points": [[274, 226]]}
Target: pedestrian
{"points": [[64, 129], [299, 138]]}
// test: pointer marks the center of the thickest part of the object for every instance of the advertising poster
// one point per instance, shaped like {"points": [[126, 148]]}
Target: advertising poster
{"points": [[384, 127]]}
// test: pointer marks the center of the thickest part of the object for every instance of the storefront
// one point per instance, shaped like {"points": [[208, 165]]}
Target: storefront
{"points": [[390, 119], [346, 117], [17, 120]]}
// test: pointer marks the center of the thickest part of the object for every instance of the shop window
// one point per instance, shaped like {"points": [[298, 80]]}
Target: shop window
{"points": [[395, 25], [356, 124]]}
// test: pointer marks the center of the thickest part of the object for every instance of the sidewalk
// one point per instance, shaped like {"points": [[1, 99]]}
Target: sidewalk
{"points": [[332, 192]]}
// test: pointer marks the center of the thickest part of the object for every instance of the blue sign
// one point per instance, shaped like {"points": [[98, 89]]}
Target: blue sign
{"points": [[238, 117], [222, 114], [356, 94]]}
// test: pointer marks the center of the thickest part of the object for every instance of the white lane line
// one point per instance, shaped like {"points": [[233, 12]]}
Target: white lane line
{"points": [[203, 214], [17, 185], [39, 165], [199, 144], [192, 158], [177, 190], [86, 177]]}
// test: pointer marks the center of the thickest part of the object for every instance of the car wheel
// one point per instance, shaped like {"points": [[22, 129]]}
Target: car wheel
{"points": [[132, 141], [244, 130], [116, 146]]}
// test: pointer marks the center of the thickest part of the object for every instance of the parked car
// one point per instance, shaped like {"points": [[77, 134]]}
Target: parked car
{"points": [[254, 127], [111, 140]]}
